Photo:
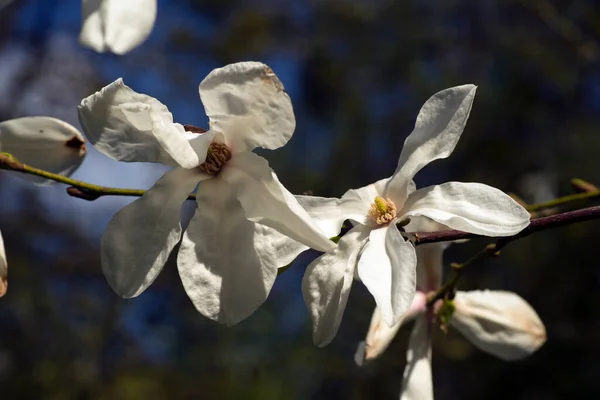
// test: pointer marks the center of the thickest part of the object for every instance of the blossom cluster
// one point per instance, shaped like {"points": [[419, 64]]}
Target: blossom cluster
{"points": [[247, 225]]}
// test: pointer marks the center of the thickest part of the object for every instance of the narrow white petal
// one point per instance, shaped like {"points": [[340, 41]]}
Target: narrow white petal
{"points": [[500, 323], [287, 249], [380, 335], [43, 142], [469, 207], [387, 267], [330, 213], [417, 383], [247, 102], [3, 268], [327, 282], [367, 193], [129, 126], [268, 202], [227, 264], [115, 25], [439, 125], [140, 236]]}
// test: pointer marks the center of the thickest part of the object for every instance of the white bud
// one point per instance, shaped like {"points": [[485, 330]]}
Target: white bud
{"points": [[498, 322], [45, 143]]}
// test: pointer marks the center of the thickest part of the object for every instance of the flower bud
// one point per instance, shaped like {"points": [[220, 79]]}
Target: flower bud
{"points": [[500, 323], [43, 142]]}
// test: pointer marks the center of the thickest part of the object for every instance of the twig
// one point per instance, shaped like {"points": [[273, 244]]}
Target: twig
{"points": [[79, 189], [561, 201], [583, 186], [450, 286], [536, 225]]}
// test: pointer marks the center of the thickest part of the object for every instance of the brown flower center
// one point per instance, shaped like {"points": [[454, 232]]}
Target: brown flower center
{"points": [[382, 210], [216, 156]]}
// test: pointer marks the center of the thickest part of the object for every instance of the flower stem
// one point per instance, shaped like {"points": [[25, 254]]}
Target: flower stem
{"points": [[536, 225], [80, 189], [450, 286], [561, 201]]}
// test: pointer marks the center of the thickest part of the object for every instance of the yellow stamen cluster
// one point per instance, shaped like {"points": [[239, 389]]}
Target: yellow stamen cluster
{"points": [[216, 156], [382, 210]]}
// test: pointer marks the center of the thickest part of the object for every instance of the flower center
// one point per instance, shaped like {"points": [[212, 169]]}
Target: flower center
{"points": [[382, 210], [216, 156]]}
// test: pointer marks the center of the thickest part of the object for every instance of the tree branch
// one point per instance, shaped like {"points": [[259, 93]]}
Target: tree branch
{"points": [[536, 225], [79, 189]]}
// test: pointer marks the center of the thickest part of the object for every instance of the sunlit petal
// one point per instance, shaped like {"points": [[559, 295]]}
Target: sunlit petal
{"points": [[387, 267], [268, 202], [227, 263], [140, 236], [367, 193], [417, 382], [129, 126], [469, 207], [380, 335], [439, 125], [330, 213], [327, 282], [247, 103]]}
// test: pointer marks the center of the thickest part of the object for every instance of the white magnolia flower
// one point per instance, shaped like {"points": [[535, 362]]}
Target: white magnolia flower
{"points": [[498, 322], [117, 26], [375, 248], [231, 250], [3, 268], [43, 142]]}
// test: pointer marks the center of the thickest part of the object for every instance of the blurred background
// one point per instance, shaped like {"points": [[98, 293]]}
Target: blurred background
{"points": [[357, 72]]}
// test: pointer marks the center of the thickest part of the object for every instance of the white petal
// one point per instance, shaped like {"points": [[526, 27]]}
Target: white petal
{"points": [[247, 102], [140, 236], [268, 202], [380, 335], [43, 142], [327, 282], [3, 268], [367, 193], [115, 25], [439, 125], [330, 213], [287, 249], [387, 267], [227, 264], [500, 323], [417, 382], [469, 207], [129, 126]]}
